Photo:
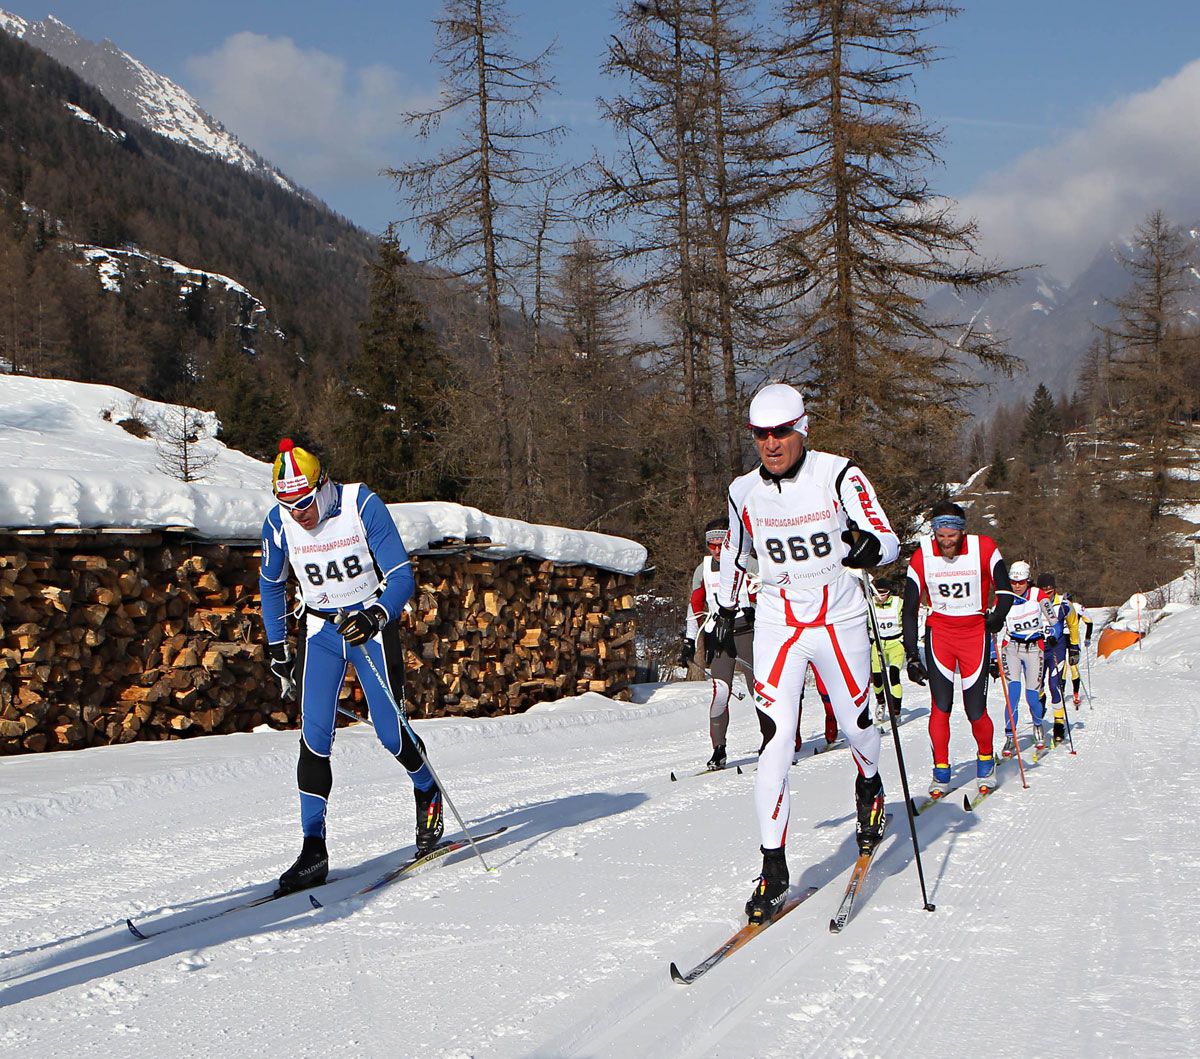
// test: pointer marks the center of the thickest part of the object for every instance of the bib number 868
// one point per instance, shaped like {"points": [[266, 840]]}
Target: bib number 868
{"points": [[798, 548]]}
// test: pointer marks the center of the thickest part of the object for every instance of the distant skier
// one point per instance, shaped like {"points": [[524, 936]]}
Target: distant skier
{"points": [[956, 572], [1074, 651], [354, 578], [701, 615], [1026, 627], [809, 516], [888, 606], [1063, 637]]}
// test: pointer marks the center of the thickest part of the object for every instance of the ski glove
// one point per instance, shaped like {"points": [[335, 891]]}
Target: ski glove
{"points": [[916, 671], [865, 552], [362, 625], [993, 622], [687, 653], [994, 669], [720, 640], [1073, 654], [1050, 642], [284, 669]]}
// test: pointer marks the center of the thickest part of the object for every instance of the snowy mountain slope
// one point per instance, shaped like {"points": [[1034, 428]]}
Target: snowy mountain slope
{"points": [[141, 94], [1049, 325], [1060, 928]]}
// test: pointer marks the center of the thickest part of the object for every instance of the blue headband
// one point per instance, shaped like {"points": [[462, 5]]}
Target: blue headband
{"points": [[954, 522]]}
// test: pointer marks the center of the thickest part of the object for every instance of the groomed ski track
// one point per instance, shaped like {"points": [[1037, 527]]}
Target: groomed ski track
{"points": [[1061, 925]]}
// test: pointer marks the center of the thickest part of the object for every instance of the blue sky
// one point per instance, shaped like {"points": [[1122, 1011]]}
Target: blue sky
{"points": [[1059, 115]]}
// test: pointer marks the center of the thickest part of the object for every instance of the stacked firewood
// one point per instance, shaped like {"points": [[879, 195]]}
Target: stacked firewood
{"points": [[152, 640]]}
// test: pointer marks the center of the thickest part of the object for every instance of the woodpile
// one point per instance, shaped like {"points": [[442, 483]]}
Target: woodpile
{"points": [[110, 640]]}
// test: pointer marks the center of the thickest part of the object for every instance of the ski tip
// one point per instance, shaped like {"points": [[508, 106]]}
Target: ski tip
{"points": [[739, 770], [966, 803], [134, 930], [676, 977], [673, 778], [833, 927], [315, 902]]}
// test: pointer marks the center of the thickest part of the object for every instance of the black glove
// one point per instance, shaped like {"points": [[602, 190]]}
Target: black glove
{"points": [[1073, 654], [720, 640], [1088, 636], [916, 671], [993, 622], [1050, 642], [284, 669], [864, 552], [687, 653], [994, 669], [362, 625]]}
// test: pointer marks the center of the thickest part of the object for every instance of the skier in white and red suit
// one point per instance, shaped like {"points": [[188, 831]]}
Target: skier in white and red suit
{"points": [[808, 516], [957, 573]]}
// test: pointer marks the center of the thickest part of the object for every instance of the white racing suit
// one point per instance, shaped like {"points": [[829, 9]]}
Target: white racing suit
{"points": [[810, 610]]}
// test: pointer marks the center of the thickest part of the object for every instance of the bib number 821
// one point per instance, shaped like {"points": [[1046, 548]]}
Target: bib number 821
{"points": [[955, 589], [798, 548], [333, 572]]}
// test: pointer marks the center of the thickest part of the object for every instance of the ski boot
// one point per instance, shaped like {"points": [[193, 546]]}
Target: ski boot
{"points": [[717, 761], [940, 784], [310, 869], [1039, 737], [1009, 745], [985, 772], [881, 713], [868, 797], [1060, 732], [770, 892], [1076, 700], [429, 818]]}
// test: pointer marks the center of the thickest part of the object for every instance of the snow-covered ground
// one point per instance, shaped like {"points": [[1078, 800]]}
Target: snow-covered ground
{"points": [[65, 461], [1065, 922]]}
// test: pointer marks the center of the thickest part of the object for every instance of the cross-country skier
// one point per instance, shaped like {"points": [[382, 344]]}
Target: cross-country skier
{"points": [[888, 606], [354, 578], [1074, 650], [1063, 637], [809, 516], [1026, 626], [701, 615], [956, 572]]}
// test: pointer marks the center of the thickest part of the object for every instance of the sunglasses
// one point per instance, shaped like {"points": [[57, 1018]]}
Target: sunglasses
{"points": [[303, 504], [784, 430]]}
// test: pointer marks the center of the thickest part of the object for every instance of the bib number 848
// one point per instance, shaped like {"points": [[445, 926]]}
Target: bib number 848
{"points": [[333, 572]]}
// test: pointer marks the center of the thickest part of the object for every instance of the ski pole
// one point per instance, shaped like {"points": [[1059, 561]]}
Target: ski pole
{"points": [[869, 591], [402, 717], [1067, 718], [1088, 686], [1012, 720]]}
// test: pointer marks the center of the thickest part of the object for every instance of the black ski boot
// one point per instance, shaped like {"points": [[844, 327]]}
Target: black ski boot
{"points": [[1060, 732], [868, 794], [310, 869], [429, 818], [770, 892], [717, 761]]}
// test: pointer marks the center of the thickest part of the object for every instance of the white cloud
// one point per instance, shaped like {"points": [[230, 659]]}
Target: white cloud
{"points": [[1058, 204], [304, 109]]}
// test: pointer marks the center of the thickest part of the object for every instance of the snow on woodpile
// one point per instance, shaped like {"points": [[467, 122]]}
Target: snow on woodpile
{"points": [[66, 461]]}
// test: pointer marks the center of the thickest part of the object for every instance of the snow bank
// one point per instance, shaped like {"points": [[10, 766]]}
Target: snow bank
{"points": [[64, 464], [1171, 647]]}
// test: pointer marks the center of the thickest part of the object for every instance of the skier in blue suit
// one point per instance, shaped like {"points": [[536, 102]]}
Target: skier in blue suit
{"points": [[354, 578]]}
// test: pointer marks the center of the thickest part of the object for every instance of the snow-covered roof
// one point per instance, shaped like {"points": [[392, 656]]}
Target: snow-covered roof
{"points": [[66, 462]]}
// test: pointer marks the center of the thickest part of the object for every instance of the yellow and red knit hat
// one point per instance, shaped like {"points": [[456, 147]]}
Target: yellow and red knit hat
{"points": [[296, 472]]}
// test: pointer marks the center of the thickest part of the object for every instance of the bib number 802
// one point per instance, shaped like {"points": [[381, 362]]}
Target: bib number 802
{"points": [[350, 564], [799, 548]]}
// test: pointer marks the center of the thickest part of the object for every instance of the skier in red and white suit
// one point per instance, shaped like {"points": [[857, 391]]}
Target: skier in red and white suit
{"points": [[956, 572], [808, 516]]}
